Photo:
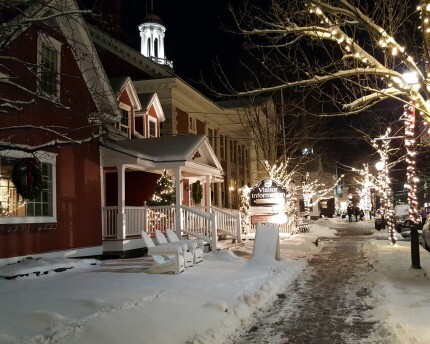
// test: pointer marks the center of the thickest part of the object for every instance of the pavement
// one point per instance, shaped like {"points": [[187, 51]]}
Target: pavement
{"points": [[327, 303]]}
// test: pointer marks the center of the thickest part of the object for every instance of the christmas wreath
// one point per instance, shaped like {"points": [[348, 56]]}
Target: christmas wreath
{"points": [[27, 177], [197, 192]]}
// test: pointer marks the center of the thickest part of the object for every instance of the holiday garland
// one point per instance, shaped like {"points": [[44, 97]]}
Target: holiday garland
{"points": [[27, 177]]}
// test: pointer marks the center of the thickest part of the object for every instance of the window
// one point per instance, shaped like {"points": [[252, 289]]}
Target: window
{"points": [[149, 47], [48, 64], [232, 151], [239, 155], [307, 151], [152, 128], [191, 124], [14, 208], [124, 124], [211, 137], [221, 146]]}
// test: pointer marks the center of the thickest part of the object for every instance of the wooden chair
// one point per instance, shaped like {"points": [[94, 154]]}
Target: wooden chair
{"points": [[167, 258], [196, 246], [188, 254]]}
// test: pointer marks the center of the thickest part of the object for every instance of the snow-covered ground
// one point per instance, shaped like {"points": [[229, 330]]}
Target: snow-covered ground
{"points": [[117, 302]]}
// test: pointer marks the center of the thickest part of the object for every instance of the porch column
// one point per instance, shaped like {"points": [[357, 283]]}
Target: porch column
{"points": [[208, 193], [178, 219], [121, 225], [218, 190]]}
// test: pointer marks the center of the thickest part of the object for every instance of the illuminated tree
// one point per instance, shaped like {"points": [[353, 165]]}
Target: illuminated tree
{"points": [[313, 190], [352, 54], [367, 181], [382, 146], [279, 172], [165, 192]]}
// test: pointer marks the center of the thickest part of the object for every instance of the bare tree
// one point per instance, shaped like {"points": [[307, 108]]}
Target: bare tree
{"points": [[350, 56], [27, 82]]}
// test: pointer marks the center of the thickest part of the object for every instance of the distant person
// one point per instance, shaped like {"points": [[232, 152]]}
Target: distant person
{"points": [[361, 215], [350, 211], [356, 213]]}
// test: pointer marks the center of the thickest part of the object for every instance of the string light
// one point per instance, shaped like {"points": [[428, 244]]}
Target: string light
{"points": [[409, 122], [384, 182]]}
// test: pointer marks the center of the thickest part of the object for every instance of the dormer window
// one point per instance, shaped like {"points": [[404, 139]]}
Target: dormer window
{"points": [[124, 124], [48, 62], [152, 127]]}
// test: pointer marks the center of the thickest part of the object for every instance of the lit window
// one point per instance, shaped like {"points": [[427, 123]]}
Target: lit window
{"points": [[307, 151], [48, 59], [14, 208]]}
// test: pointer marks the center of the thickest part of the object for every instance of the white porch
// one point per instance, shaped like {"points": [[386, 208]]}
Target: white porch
{"points": [[193, 222], [187, 159]]}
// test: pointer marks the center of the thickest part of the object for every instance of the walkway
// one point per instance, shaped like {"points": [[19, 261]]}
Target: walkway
{"points": [[327, 303]]}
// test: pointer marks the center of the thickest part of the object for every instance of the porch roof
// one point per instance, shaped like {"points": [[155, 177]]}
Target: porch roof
{"points": [[192, 151]]}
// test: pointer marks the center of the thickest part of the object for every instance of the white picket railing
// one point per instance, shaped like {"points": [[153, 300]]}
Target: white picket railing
{"points": [[228, 222], [160, 217], [200, 224], [110, 215], [148, 219]]}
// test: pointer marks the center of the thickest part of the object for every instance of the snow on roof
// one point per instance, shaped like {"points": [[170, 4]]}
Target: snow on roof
{"points": [[166, 148]]}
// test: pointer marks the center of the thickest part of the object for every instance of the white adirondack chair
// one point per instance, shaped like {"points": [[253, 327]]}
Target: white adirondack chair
{"points": [[188, 254], [196, 246], [167, 258]]}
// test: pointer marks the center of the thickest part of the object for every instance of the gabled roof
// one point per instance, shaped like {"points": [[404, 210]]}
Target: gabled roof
{"points": [[193, 154], [76, 33], [124, 84], [151, 99]]}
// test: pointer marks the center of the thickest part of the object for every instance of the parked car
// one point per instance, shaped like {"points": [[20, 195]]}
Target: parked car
{"points": [[404, 228], [426, 234]]}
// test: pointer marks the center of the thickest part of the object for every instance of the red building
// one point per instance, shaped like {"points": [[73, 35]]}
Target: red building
{"points": [[55, 99]]}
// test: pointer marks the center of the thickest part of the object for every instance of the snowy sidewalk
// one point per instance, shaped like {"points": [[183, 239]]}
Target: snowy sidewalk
{"points": [[116, 302]]}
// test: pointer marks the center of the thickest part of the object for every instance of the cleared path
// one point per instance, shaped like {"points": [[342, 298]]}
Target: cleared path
{"points": [[327, 303]]}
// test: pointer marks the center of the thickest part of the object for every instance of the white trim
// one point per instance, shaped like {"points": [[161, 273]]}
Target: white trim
{"points": [[46, 157], [71, 253]]}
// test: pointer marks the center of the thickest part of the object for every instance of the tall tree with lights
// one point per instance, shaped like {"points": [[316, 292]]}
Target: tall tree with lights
{"points": [[165, 192], [313, 190], [382, 146], [353, 54], [279, 172]]}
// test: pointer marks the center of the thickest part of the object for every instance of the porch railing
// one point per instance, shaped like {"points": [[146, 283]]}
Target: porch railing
{"points": [[228, 222], [200, 224], [148, 219]]}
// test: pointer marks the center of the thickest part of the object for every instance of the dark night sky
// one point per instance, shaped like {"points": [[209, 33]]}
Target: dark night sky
{"points": [[194, 37]]}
